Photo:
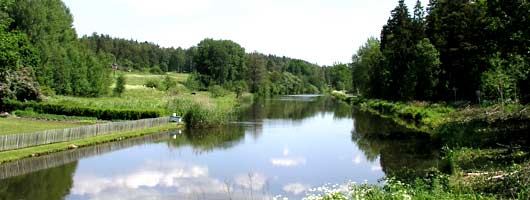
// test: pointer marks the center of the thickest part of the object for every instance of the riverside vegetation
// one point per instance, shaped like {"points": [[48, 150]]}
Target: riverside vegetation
{"points": [[485, 147]]}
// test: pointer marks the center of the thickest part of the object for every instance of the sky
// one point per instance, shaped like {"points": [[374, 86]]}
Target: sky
{"points": [[319, 31]]}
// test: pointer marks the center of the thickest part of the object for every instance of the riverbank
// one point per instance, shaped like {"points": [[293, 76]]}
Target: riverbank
{"points": [[7, 156], [485, 146]]}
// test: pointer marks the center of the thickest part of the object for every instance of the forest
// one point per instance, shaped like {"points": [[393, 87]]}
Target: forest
{"points": [[454, 50]]}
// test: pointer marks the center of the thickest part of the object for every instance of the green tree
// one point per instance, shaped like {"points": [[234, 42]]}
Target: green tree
{"points": [[257, 73], [119, 89], [397, 45], [426, 67], [65, 65], [457, 29], [368, 75], [220, 61]]}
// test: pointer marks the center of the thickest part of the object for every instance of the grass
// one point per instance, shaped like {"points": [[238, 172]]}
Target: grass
{"points": [[7, 156], [136, 78], [502, 172], [21, 125]]}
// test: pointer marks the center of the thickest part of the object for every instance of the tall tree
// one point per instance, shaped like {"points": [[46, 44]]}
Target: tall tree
{"points": [[397, 44], [257, 73], [220, 61], [456, 29]]}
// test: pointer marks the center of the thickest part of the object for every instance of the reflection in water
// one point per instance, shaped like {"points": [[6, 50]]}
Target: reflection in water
{"points": [[53, 183], [284, 146], [294, 108], [404, 157], [29, 165], [207, 140]]}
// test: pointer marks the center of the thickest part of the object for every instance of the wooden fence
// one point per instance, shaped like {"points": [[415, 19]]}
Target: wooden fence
{"points": [[29, 165], [17, 141]]}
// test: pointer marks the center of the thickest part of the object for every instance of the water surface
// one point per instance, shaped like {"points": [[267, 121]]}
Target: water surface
{"points": [[280, 146]]}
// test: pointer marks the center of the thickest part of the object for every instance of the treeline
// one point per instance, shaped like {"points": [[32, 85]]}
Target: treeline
{"points": [[142, 56], [224, 62], [453, 50]]}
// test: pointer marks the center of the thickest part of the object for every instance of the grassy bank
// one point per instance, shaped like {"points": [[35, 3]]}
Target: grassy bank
{"points": [[486, 147], [7, 156], [23, 125]]}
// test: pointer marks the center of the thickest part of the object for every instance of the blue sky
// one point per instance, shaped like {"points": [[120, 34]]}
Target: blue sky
{"points": [[319, 31]]}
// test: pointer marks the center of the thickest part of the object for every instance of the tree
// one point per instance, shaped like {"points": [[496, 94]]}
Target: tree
{"points": [[427, 69], [119, 89], [457, 29], [368, 75], [257, 73], [220, 61], [397, 43]]}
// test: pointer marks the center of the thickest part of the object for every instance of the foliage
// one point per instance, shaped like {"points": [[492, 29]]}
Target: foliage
{"points": [[460, 50], [152, 83], [168, 83], [32, 114], [63, 109], [120, 85], [193, 83], [219, 61], [19, 85], [64, 65]]}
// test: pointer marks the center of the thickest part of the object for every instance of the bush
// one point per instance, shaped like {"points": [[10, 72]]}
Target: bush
{"points": [[105, 114], [31, 114], [168, 83], [193, 82], [152, 83], [202, 117], [120, 85], [156, 70]]}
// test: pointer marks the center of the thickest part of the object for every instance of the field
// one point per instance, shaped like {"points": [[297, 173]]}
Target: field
{"points": [[20, 125], [137, 96]]}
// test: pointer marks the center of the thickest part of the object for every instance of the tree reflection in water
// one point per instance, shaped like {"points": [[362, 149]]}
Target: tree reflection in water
{"points": [[403, 153]]}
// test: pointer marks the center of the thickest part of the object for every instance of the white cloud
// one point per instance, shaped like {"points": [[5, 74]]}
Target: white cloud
{"points": [[287, 162], [357, 159], [254, 181], [296, 188], [376, 168], [285, 152]]}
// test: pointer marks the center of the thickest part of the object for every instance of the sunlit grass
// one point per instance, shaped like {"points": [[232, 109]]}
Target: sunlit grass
{"points": [[21, 125], [136, 78]]}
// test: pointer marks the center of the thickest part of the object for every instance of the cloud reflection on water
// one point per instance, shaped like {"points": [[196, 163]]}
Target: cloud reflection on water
{"points": [[169, 180]]}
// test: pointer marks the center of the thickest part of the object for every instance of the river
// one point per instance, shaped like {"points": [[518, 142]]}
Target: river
{"points": [[279, 146]]}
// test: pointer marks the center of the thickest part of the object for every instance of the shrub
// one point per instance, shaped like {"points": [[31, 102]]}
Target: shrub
{"points": [[31, 114], [152, 83], [202, 117], [120, 85], [105, 114], [168, 83]]}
